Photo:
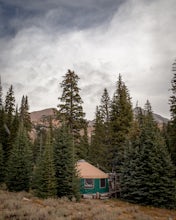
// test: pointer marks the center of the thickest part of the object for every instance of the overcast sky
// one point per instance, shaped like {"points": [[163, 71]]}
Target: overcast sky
{"points": [[98, 39]]}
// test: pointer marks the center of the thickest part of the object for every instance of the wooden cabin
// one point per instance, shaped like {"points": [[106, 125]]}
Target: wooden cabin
{"points": [[93, 180]]}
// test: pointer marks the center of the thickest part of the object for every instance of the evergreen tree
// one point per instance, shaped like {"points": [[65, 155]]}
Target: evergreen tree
{"points": [[147, 174], [172, 123], [1, 164], [44, 179], [98, 148], [10, 106], [14, 126], [2, 115], [39, 143], [66, 175], [24, 113], [3, 132], [19, 166], [105, 106], [70, 106], [83, 147], [8, 122], [101, 137], [121, 117], [3, 135], [1, 100]]}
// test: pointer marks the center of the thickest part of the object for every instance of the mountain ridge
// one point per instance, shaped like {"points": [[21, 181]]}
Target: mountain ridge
{"points": [[40, 119], [37, 116]]}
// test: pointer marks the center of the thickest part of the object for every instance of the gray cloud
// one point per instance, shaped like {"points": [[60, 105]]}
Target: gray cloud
{"points": [[55, 14], [98, 40]]}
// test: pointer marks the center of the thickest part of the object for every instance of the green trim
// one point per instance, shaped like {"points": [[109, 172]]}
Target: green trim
{"points": [[100, 183], [93, 184], [96, 188]]}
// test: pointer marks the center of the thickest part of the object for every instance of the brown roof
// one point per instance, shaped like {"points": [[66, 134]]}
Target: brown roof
{"points": [[86, 170]]}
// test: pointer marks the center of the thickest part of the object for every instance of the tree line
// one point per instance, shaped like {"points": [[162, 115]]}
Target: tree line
{"points": [[143, 156]]}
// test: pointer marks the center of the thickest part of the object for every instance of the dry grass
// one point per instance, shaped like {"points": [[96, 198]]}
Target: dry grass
{"points": [[23, 206]]}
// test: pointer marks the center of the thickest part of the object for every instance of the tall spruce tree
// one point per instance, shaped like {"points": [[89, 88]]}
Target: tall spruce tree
{"points": [[66, 174], [172, 123], [15, 126], [105, 106], [121, 117], [97, 148], [24, 113], [9, 110], [39, 142], [10, 105], [44, 179], [19, 166], [70, 106], [147, 174], [83, 147], [1, 100], [3, 132], [101, 137], [1, 164], [1, 115], [3, 136]]}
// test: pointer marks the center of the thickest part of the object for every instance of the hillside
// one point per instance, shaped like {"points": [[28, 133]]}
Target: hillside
{"points": [[37, 116], [158, 118], [40, 117], [24, 206]]}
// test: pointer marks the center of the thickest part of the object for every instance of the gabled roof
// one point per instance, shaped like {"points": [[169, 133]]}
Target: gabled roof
{"points": [[87, 170]]}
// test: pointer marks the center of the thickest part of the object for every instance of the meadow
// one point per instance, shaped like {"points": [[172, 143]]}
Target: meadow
{"points": [[24, 206]]}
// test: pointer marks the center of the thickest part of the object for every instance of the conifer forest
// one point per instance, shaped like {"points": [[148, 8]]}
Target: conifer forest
{"points": [[131, 145]]}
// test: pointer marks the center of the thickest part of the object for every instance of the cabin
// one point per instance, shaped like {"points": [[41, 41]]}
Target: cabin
{"points": [[93, 180]]}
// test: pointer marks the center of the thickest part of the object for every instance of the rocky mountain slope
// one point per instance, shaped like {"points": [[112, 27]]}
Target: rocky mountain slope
{"points": [[39, 116], [41, 119], [160, 120]]}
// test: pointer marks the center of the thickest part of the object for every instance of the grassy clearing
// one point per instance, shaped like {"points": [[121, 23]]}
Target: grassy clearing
{"points": [[23, 206]]}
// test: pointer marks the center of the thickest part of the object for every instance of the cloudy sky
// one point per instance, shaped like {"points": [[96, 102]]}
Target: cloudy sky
{"points": [[98, 39]]}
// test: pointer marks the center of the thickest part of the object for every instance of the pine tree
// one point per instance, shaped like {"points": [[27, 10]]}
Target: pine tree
{"points": [[24, 113], [121, 117], [1, 100], [147, 174], [1, 164], [98, 148], [2, 115], [3, 136], [70, 106], [19, 166], [8, 122], [39, 143], [172, 123], [14, 126], [101, 137], [66, 175], [83, 147], [105, 106], [44, 179], [2, 127], [10, 105]]}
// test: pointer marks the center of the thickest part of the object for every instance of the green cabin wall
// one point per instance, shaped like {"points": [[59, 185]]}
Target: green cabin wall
{"points": [[96, 188]]}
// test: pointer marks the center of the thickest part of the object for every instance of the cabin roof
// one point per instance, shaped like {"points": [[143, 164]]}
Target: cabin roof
{"points": [[87, 170]]}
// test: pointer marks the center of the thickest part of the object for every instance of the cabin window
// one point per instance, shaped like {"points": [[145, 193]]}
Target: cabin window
{"points": [[88, 183], [102, 183]]}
